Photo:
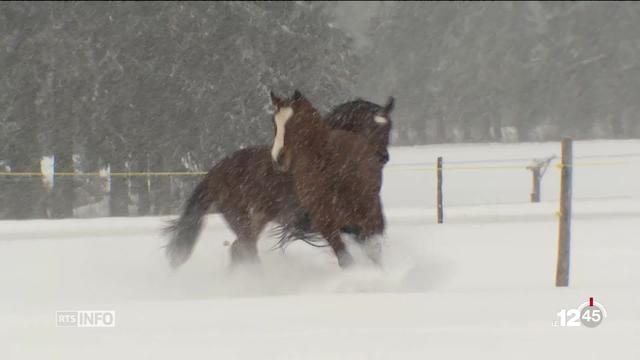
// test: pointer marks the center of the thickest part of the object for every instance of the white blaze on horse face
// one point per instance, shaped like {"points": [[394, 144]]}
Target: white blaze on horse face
{"points": [[282, 116], [380, 119]]}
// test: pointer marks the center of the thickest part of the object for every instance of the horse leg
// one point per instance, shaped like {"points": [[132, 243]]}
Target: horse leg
{"points": [[370, 237], [335, 240], [248, 228], [372, 247], [244, 250]]}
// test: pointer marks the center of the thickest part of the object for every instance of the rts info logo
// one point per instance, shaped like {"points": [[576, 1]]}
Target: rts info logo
{"points": [[86, 318]]}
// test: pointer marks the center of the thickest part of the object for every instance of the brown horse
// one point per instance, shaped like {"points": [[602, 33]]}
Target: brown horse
{"points": [[336, 174], [249, 193]]}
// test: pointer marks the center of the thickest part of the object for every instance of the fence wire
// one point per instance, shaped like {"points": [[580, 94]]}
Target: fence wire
{"points": [[418, 167]]}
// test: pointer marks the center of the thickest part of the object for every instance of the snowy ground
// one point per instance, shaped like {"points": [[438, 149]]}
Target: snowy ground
{"points": [[478, 286]]}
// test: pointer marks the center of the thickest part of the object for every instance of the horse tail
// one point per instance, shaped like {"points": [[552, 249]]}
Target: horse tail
{"points": [[184, 231]]}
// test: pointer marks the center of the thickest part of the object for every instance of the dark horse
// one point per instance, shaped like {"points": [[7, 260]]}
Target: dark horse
{"points": [[336, 175], [249, 193]]}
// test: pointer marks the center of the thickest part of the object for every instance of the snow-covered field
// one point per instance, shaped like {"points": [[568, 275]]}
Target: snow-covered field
{"points": [[479, 286]]}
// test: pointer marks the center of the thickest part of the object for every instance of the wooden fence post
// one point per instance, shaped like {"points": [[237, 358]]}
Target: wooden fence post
{"points": [[564, 236], [535, 193], [440, 210], [538, 167]]}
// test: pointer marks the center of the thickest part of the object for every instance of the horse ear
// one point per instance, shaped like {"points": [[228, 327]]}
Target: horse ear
{"points": [[275, 100], [388, 108], [297, 95]]}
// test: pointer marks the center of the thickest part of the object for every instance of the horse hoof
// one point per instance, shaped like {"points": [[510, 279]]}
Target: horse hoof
{"points": [[373, 249], [376, 258], [345, 260]]}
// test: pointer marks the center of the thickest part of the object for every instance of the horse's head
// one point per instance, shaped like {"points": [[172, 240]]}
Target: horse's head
{"points": [[367, 119], [290, 114]]}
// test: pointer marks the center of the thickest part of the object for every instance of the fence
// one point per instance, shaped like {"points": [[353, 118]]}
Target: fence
{"points": [[538, 168], [448, 184], [457, 174], [447, 167]]}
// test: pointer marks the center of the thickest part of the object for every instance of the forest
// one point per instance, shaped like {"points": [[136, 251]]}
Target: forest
{"points": [[175, 86]]}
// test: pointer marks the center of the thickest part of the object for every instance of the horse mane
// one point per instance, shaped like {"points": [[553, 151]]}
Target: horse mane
{"points": [[342, 113]]}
